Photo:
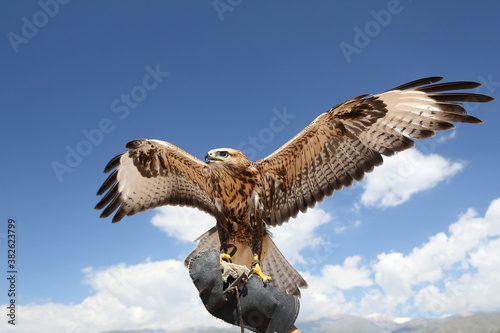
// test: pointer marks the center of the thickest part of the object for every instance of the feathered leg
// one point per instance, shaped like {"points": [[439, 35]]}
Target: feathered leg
{"points": [[223, 237], [258, 233]]}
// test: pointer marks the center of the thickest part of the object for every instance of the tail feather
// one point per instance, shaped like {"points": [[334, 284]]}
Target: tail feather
{"points": [[284, 276], [208, 241]]}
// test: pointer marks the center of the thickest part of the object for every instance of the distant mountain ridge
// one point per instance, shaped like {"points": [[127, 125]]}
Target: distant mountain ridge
{"points": [[480, 323]]}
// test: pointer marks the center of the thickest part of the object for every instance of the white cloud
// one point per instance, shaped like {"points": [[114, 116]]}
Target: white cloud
{"points": [[183, 223], [453, 272], [466, 261], [344, 227], [403, 175], [322, 298], [297, 234], [325, 295], [351, 274], [443, 137], [148, 295], [476, 241]]}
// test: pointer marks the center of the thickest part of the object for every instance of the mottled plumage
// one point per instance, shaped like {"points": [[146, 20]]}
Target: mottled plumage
{"points": [[338, 147]]}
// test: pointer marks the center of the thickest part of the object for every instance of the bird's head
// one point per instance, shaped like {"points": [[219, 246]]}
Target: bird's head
{"points": [[227, 156]]}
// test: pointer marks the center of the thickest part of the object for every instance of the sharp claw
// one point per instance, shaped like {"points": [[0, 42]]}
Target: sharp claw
{"points": [[258, 271], [224, 256]]}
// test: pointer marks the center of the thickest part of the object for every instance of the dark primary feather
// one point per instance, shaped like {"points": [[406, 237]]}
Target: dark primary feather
{"points": [[418, 83], [107, 183], [115, 161], [458, 85], [110, 195], [461, 97]]}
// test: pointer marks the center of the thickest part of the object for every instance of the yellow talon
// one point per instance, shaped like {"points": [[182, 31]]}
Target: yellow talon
{"points": [[224, 256], [257, 270]]}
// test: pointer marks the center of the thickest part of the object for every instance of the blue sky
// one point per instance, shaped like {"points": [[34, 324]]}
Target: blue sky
{"points": [[80, 79]]}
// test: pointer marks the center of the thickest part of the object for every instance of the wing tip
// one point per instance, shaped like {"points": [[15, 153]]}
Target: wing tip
{"points": [[483, 98], [113, 163], [418, 83], [474, 120]]}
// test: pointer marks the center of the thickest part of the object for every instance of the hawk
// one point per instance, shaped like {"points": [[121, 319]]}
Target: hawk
{"points": [[245, 197]]}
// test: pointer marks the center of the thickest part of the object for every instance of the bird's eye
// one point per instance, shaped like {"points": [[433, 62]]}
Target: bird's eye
{"points": [[224, 154]]}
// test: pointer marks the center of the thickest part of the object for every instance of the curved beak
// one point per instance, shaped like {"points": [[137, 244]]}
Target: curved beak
{"points": [[211, 157]]}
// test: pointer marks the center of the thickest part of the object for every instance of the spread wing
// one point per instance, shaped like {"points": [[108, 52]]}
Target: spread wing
{"points": [[154, 173], [347, 141]]}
